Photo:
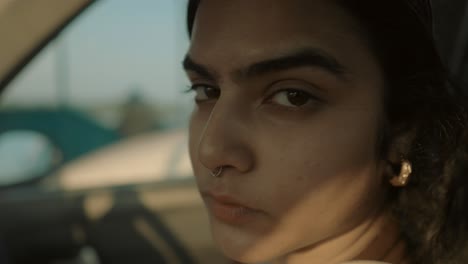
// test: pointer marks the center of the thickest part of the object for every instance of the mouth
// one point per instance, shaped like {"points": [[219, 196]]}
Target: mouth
{"points": [[228, 209]]}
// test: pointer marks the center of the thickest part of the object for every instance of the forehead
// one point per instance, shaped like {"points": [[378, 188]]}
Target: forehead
{"points": [[244, 29], [267, 12]]}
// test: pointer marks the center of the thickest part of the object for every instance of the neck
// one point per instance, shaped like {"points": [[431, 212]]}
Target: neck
{"points": [[377, 238]]}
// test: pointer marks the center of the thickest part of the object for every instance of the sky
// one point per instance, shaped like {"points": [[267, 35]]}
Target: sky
{"points": [[114, 49]]}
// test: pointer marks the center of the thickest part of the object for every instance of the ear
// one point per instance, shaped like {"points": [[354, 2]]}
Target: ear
{"points": [[399, 147]]}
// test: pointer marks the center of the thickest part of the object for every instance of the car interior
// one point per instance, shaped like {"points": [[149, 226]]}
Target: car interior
{"points": [[93, 131]]}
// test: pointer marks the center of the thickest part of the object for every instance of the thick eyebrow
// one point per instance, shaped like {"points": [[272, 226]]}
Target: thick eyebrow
{"points": [[304, 58], [190, 65]]}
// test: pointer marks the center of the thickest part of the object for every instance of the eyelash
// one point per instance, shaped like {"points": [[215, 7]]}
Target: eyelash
{"points": [[294, 90], [310, 97], [194, 87]]}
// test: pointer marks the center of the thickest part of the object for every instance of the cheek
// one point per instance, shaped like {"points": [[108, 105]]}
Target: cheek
{"points": [[324, 171], [313, 190], [331, 143]]}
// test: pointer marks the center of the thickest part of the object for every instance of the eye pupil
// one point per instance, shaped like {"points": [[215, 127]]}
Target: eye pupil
{"points": [[297, 98], [212, 92]]}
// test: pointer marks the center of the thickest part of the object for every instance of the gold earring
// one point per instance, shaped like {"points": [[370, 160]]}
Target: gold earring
{"points": [[402, 179]]}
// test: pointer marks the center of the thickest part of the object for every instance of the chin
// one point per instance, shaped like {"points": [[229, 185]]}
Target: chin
{"points": [[241, 246], [247, 257]]}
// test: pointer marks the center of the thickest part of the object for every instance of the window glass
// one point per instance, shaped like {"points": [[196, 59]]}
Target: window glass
{"points": [[109, 88]]}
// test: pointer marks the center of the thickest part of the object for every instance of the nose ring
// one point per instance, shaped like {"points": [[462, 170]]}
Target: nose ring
{"points": [[217, 172]]}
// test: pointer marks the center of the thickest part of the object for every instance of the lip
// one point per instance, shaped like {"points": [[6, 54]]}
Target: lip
{"points": [[228, 209]]}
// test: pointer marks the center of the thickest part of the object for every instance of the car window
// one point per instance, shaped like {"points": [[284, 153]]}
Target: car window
{"points": [[108, 93]]}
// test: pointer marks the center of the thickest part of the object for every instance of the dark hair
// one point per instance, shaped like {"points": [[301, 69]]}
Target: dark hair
{"points": [[421, 102]]}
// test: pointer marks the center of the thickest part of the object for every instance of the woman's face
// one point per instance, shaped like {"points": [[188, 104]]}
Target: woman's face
{"points": [[289, 102]]}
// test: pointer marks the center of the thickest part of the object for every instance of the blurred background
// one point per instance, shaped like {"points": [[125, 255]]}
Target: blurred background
{"points": [[93, 135], [93, 141], [113, 73]]}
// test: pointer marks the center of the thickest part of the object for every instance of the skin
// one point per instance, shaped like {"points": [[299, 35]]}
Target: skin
{"points": [[308, 163]]}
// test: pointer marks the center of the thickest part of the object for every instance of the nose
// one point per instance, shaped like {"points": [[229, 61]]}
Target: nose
{"points": [[226, 140]]}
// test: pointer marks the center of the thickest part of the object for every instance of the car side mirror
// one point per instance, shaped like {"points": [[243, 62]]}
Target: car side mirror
{"points": [[25, 155]]}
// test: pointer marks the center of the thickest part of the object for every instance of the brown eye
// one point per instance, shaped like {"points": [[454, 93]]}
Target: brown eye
{"points": [[205, 92], [292, 98]]}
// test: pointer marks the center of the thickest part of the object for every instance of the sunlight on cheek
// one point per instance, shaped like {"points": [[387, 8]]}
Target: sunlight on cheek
{"points": [[316, 215]]}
